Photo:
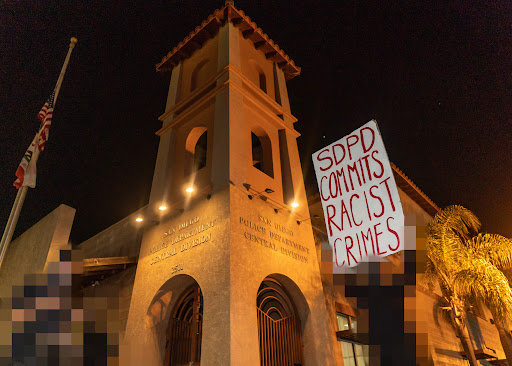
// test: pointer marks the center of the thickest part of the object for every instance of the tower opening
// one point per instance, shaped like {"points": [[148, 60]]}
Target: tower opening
{"points": [[262, 153], [185, 329], [196, 150], [258, 76], [263, 82]]}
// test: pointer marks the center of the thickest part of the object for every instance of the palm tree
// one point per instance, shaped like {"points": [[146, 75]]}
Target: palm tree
{"points": [[445, 236], [483, 278], [470, 267]]}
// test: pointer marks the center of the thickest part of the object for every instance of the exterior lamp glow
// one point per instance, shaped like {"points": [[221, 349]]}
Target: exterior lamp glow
{"points": [[162, 208], [295, 204], [189, 189], [139, 219]]}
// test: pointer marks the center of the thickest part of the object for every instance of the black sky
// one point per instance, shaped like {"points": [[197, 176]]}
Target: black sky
{"points": [[436, 75]]}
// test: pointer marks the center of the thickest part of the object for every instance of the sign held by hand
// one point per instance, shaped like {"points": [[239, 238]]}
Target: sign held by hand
{"points": [[362, 208]]}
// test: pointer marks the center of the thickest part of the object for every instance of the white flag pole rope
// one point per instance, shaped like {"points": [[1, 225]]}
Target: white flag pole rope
{"points": [[22, 191]]}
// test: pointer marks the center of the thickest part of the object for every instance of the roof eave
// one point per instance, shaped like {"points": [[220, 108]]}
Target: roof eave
{"points": [[249, 30]]}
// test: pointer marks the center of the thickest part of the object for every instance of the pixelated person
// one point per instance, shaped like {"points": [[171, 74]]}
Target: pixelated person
{"points": [[51, 325]]}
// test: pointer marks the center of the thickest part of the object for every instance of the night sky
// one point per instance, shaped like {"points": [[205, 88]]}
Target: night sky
{"points": [[437, 77]]}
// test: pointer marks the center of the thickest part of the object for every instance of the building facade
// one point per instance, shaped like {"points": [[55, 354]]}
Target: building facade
{"points": [[236, 270], [230, 264]]}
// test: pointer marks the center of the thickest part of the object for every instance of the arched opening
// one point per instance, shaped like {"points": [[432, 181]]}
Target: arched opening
{"points": [[262, 153], [258, 76], [279, 327], [196, 150], [199, 75], [183, 345]]}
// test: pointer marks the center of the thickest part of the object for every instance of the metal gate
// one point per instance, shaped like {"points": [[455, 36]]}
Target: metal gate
{"points": [[279, 329], [185, 330]]}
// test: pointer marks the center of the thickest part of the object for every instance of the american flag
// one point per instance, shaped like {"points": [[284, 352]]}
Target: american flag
{"points": [[45, 116], [26, 172]]}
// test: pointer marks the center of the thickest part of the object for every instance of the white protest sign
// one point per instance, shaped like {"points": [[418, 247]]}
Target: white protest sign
{"points": [[362, 209]]}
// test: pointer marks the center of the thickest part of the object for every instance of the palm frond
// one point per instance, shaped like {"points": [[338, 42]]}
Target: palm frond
{"points": [[446, 235], [430, 276], [479, 278], [456, 220], [494, 248]]}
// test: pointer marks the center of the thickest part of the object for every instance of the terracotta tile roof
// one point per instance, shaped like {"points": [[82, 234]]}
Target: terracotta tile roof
{"points": [[413, 191], [249, 29]]}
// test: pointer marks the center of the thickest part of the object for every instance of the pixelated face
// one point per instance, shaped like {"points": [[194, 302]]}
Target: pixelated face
{"points": [[49, 323]]}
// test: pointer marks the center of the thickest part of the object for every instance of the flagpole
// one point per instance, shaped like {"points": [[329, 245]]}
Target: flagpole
{"points": [[63, 70], [22, 191]]}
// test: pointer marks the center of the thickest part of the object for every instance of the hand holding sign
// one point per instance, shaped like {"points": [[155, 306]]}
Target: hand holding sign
{"points": [[362, 209]]}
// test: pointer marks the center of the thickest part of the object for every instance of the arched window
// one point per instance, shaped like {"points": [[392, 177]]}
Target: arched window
{"points": [[199, 75], [196, 150], [185, 329], [262, 152], [279, 329]]}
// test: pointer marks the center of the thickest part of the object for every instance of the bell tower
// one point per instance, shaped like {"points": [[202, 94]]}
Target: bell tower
{"points": [[228, 272]]}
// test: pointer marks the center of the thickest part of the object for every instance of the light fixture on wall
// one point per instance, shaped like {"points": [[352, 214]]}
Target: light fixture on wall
{"points": [[146, 222], [295, 204], [162, 208], [309, 218], [266, 190], [247, 186], [189, 189]]}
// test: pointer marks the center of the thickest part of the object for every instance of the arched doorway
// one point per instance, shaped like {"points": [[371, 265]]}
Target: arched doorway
{"points": [[185, 329], [279, 329]]}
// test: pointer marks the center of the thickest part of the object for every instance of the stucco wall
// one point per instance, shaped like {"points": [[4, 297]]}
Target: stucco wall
{"points": [[121, 239], [208, 52], [30, 252], [254, 57]]}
